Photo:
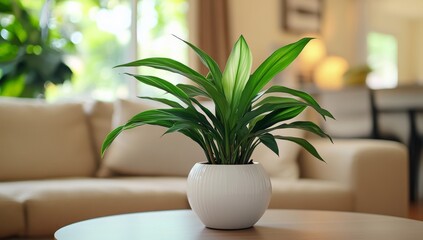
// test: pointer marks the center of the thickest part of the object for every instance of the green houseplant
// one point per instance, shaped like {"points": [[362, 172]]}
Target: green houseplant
{"points": [[245, 116]]}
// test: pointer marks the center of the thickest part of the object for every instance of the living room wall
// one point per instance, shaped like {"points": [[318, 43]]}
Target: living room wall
{"points": [[403, 28], [419, 53], [345, 24]]}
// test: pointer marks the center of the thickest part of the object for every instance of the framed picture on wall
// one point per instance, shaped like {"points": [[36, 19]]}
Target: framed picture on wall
{"points": [[302, 16]]}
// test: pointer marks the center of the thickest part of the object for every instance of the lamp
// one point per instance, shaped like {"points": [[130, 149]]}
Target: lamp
{"points": [[329, 73], [311, 55]]}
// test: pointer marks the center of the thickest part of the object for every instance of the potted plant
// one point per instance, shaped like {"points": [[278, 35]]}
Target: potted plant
{"points": [[229, 190], [28, 59]]}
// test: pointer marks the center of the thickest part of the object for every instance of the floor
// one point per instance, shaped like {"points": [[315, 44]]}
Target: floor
{"points": [[416, 210]]}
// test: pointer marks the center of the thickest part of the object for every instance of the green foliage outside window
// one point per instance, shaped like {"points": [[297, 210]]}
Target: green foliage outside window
{"points": [[28, 58], [85, 38]]}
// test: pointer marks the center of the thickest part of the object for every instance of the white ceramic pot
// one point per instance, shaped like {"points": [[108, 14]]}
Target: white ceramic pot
{"points": [[229, 196]]}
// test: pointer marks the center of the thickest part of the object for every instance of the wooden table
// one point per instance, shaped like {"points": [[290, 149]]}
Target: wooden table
{"points": [[275, 224]]}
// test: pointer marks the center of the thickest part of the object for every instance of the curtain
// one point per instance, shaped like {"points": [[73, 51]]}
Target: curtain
{"points": [[214, 31]]}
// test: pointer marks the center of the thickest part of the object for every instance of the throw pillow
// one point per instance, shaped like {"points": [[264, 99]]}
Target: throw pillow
{"points": [[145, 150], [100, 122], [41, 140]]}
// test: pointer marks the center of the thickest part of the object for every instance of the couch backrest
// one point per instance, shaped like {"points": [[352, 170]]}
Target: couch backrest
{"points": [[144, 150], [40, 140]]}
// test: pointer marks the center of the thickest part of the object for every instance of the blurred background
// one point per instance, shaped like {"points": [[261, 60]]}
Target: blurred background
{"points": [[365, 65], [70, 46]]}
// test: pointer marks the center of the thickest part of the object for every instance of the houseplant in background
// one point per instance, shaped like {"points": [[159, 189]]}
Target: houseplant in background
{"points": [[229, 191], [29, 59]]}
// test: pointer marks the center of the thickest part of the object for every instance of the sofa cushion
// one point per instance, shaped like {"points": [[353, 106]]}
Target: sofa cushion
{"points": [[51, 204], [100, 123], [12, 221], [311, 194], [145, 151], [41, 140], [284, 166]]}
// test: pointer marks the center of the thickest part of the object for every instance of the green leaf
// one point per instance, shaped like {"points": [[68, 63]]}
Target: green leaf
{"points": [[164, 85], [193, 91], [175, 67], [278, 116], [178, 127], [153, 117], [167, 64], [110, 138], [304, 125], [164, 101], [269, 141], [303, 95], [278, 101], [209, 114], [244, 116], [277, 62], [253, 115], [179, 68], [12, 87], [303, 143], [208, 62], [237, 71], [196, 137], [190, 116], [274, 64]]}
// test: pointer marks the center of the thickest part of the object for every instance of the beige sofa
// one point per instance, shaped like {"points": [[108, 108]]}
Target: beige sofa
{"points": [[51, 173]]}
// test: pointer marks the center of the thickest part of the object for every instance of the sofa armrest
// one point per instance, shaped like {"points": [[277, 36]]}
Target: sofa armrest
{"points": [[375, 170]]}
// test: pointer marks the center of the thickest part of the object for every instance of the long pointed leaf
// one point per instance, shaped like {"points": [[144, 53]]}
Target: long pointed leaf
{"points": [[208, 62], [278, 116], [269, 141], [303, 95], [237, 71], [153, 117], [179, 68], [167, 64], [193, 91], [110, 138], [163, 85], [252, 116], [277, 62], [178, 127], [164, 101], [303, 143], [209, 114], [304, 125], [273, 100], [192, 117], [274, 64]]}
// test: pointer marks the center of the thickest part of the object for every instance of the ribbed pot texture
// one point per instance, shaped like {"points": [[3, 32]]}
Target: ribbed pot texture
{"points": [[229, 196]]}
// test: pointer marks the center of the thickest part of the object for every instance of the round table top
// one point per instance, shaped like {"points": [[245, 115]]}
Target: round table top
{"points": [[275, 224]]}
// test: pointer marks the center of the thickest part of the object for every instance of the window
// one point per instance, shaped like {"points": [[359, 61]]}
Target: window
{"points": [[99, 35], [101, 32], [158, 20], [382, 59]]}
